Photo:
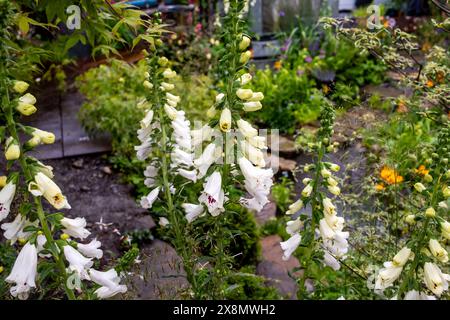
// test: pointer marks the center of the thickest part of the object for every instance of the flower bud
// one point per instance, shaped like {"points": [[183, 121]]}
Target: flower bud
{"points": [[428, 178], [335, 167], [256, 96], [170, 111], [148, 84], [26, 109], [169, 74], [410, 219], [244, 94], [12, 151], [245, 42], [3, 180], [220, 97], [245, 78], [211, 112], [44, 136], [163, 61], [27, 98], [430, 212], [438, 251], [245, 56], [446, 192], [167, 86], [252, 106], [419, 187], [402, 257], [20, 86]]}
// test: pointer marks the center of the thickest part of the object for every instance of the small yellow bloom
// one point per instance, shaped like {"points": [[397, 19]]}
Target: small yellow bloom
{"points": [[410, 219], [380, 187], [22, 241], [1, 269], [252, 106], [64, 236], [148, 84], [245, 56], [211, 112], [44, 136], [163, 61], [277, 65], [245, 42], [430, 84], [12, 151], [26, 109], [44, 186], [244, 94], [390, 176], [422, 170]]}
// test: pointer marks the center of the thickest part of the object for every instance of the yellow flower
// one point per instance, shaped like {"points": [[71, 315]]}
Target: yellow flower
{"points": [[245, 56], [44, 136], [430, 84], [3, 180], [380, 187], [245, 42], [422, 170], [26, 109], [430, 212], [244, 94], [44, 186], [12, 151]]}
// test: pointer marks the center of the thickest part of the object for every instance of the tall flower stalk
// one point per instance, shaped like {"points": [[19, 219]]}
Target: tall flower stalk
{"points": [[33, 228], [320, 235]]}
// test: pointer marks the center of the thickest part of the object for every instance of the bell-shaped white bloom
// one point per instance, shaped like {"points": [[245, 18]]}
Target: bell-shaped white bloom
{"points": [[245, 78], [20, 86], [326, 231], [328, 207], [225, 120], [167, 86], [75, 227], [402, 257], [41, 240], [27, 98], [207, 158], [294, 226], [256, 96], [290, 245], [325, 173], [387, 276], [331, 261], [170, 111], [172, 97], [182, 132], [109, 282], [334, 190], [244, 94], [245, 42], [151, 171], [169, 74], [44, 186], [180, 157], [246, 129], [47, 170], [306, 192], [163, 222], [14, 230], [24, 271], [253, 154], [258, 182], [188, 174], [220, 97], [213, 195], [258, 142], [193, 211], [435, 280], [77, 262], [336, 223], [145, 123], [144, 150], [438, 251], [91, 250], [445, 229], [252, 106], [295, 207], [419, 187], [416, 295], [6, 198], [332, 182], [200, 135], [147, 201]]}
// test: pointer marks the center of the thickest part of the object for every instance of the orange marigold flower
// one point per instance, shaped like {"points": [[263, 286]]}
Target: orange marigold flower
{"points": [[430, 84], [422, 170], [380, 187], [390, 176]]}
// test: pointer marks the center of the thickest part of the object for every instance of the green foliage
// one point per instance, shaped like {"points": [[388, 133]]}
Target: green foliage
{"points": [[282, 193], [7, 258], [246, 285]]}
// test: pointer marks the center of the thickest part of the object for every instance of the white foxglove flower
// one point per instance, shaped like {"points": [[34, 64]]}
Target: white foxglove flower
{"points": [[167, 86], [188, 174], [331, 261], [246, 129], [435, 280], [24, 271], [438, 251], [169, 74], [258, 142], [14, 230], [200, 135], [163, 222], [416, 295], [387, 276], [256, 96], [334, 190], [294, 226], [253, 154], [75, 227], [6, 198], [77, 262], [258, 182], [244, 94], [172, 97], [144, 150], [207, 158], [328, 207], [220, 97], [147, 201], [180, 157], [28, 98], [402, 257], [170, 111], [151, 171], [295, 207], [44, 186], [306, 192], [225, 120], [41, 240], [445, 229], [245, 78], [145, 123], [213, 195], [109, 282], [91, 250], [193, 211], [252, 106], [290, 245]]}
